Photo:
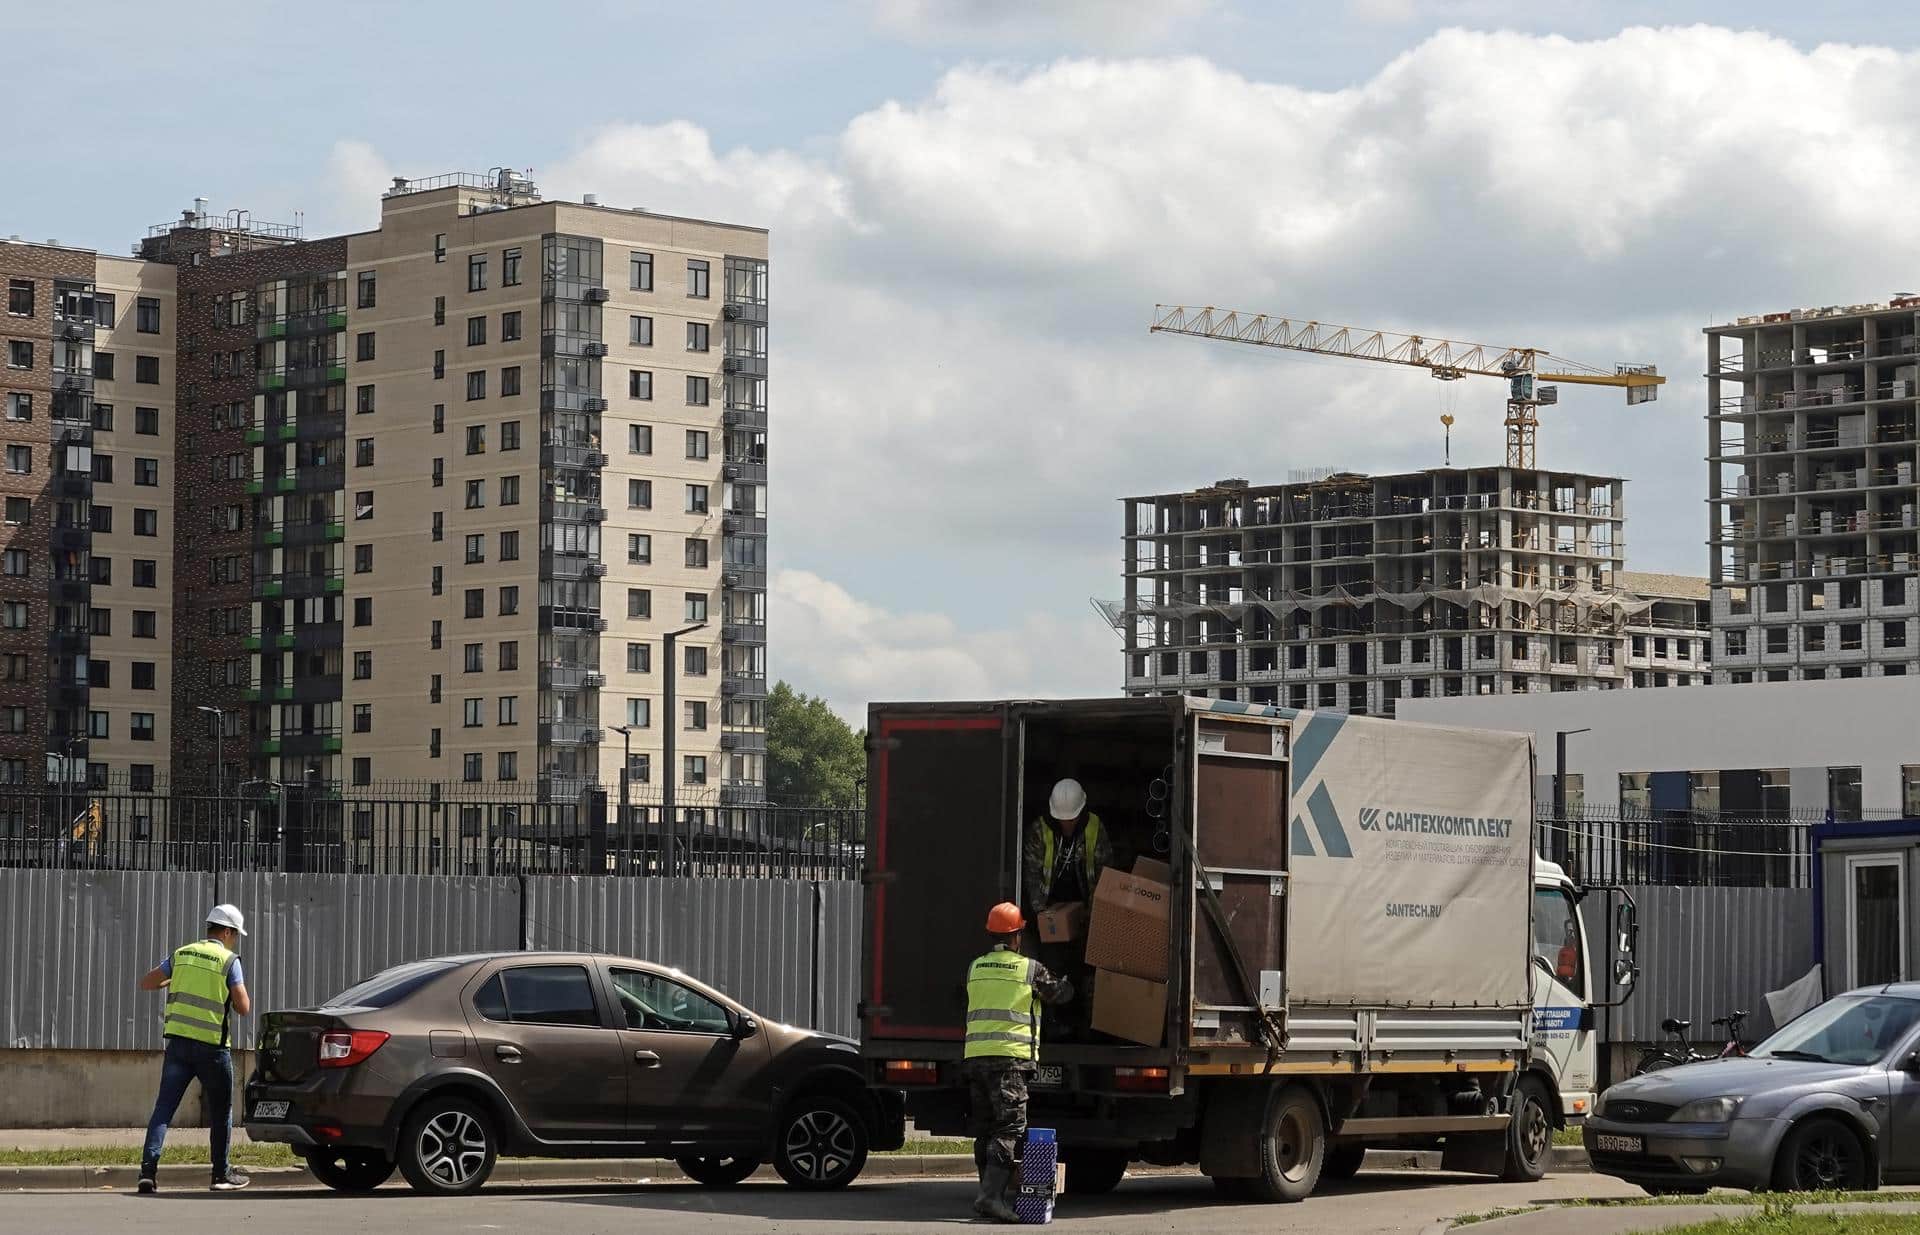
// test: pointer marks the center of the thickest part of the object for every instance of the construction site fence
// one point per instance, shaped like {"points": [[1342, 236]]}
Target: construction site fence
{"points": [[425, 833], [1698, 848], [79, 940]]}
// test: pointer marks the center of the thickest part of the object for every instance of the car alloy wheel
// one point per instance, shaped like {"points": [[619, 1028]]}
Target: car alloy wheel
{"points": [[452, 1148], [1826, 1158], [823, 1144]]}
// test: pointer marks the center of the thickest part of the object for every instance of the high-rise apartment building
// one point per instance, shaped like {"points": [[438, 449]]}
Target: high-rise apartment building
{"points": [[434, 494], [1354, 592], [1812, 443]]}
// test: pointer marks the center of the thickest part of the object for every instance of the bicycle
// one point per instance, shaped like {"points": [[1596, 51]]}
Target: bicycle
{"points": [[1681, 1050]]}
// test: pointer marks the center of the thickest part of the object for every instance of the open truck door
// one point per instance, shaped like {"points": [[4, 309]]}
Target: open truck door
{"points": [[938, 857], [1238, 901]]}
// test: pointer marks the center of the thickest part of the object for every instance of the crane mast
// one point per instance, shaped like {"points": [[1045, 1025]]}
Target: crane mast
{"points": [[1524, 368]]}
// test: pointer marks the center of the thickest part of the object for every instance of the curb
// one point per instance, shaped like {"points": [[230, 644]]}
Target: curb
{"points": [[1566, 1158]]}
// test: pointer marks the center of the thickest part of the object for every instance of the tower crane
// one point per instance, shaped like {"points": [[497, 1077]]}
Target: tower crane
{"points": [[1525, 368]]}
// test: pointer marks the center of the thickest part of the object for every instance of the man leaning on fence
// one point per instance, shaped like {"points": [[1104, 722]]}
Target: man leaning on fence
{"points": [[205, 986]]}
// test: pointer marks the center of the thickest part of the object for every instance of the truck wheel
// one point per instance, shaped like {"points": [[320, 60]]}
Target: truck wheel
{"points": [[1530, 1135], [1095, 1172], [1292, 1148], [1344, 1161]]}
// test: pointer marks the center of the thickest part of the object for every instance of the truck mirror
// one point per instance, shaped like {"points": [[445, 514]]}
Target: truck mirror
{"points": [[1626, 925], [1624, 972]]}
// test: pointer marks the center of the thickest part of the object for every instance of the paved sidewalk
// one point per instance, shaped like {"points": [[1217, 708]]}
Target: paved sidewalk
{"points": [[1624, 1219]]}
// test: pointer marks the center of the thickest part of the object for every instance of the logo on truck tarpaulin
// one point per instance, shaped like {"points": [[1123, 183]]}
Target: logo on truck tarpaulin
{"points": [[1369, 818]]}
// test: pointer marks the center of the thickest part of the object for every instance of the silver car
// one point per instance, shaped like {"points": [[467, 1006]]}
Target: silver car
{"points": [[1830, 1101]]}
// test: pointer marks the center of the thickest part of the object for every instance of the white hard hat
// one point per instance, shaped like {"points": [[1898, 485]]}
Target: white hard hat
{"points": [[1068, 800], [227, 915]]}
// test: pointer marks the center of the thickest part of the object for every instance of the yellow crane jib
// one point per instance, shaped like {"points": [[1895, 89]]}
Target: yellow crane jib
{"points": [[1527, 370]]}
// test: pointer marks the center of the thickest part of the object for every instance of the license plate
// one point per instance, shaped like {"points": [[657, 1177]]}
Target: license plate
{"points": [[1050, 1076], [269, 1110], [1618, 1144]]}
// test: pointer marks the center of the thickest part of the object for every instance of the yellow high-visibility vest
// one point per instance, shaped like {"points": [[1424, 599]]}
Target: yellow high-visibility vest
{"points": [[1003, 1013], [197, 994]]}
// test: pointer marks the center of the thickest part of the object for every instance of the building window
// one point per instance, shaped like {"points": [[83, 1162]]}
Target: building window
{"points": [[365, 283], [699, 444], [439, 246], [439, 365], [696, 499], [363, 452], [510, 435], [363, 611], [146, 472], [509, 381], [19, 354], [1910, 791], [639, 603], [639, 658], [699, 337], [510, 268], [1843, 792], [509, 490], [476, 331], [1777, 640], [477, 385], [1736, 643], [146, 370], [363, 666], [439, 525], [102, 366], [146, 624], [509, 709], [696, 606], [639, 713], [1894, 634], [476, 602], [363, 504], [143, 676], [19, 510], [510, 326], [471, 767], [363, 399], [17, 563], [439, 418], [639, 439], [476, 548], [363, 346], [509, 765], [439, 472], [440, 310], [509, 655], [20, 460], [476, 439], [640, 271], [510, 546], [19, 405], [146, 315], [102, 468], [696, 553], [697, 392], [698, 274], [640, 331], [20, 297], [146, 421], [696, 714], [477, 273], [476, 492], [640, 494], [473, 713], [696, 769], [694, 661], [640, 549], [639, 384], [509, 600], [363, 718], [146, 572]]}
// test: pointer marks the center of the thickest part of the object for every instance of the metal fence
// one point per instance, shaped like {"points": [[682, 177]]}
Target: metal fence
{"points": [[1686, 848], [77, 941], [423, 830]]}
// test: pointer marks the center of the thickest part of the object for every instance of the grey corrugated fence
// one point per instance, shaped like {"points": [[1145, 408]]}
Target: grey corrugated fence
{"points": [[74, 943], [1705, 952]]}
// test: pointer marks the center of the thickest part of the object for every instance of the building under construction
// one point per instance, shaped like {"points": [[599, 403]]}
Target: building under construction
{"points": [[1352, 592]]}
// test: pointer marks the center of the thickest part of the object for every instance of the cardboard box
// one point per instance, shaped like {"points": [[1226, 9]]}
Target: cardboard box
{"points": [[1127, 928], [1131, 1008], [1063, 923], [1149, 868]]}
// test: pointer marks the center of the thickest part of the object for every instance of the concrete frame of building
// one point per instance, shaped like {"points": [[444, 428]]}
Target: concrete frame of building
{"points": [[556, 408], [1812, 469], [1354, 592]]}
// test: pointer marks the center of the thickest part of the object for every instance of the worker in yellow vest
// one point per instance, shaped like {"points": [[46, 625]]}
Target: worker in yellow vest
{"points": [[1004, 994], [205, 986], [1065, 851]]}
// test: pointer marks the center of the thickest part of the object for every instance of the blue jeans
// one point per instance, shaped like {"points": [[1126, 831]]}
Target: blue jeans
{"points": [[212, 1066]]}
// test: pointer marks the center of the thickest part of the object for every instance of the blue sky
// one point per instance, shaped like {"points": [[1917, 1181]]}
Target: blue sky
{"points": [[975, 204]]}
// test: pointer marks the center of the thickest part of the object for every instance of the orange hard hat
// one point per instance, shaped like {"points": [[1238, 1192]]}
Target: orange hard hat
{"points": [[1005, 919]]}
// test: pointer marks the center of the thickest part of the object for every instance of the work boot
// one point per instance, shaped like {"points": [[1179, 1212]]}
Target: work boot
{"points": [[147, 1185], [991, 1205]]}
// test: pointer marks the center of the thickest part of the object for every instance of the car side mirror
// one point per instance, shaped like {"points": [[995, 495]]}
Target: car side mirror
{"points": [[1911, 1063], [745, 1026]]}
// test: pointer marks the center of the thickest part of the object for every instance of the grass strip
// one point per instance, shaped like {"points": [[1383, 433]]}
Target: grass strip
{"points": [[247, 1153]]}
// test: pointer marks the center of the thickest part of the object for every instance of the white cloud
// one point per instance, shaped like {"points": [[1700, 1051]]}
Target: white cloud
{"points": [[962, 379], [1102, 23], [852, 652]]}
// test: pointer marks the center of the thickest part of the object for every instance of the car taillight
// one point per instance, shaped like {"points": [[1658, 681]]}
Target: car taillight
{"points": [[348, 1047], [1140, 1080], [909, 1072]]}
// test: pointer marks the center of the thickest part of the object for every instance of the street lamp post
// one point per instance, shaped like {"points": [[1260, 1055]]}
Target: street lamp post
{"points": [[219, 758], [668, 771], [1563, 839], [626, 774]]}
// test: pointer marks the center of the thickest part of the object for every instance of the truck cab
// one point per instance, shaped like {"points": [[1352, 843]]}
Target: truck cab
{"points": [[1571, 980]]}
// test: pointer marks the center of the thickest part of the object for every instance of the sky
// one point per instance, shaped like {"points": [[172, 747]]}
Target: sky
{"points": [[975, 205]]}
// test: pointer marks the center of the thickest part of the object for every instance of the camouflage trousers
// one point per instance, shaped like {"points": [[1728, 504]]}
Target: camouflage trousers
{"points": [[997, 1104]]}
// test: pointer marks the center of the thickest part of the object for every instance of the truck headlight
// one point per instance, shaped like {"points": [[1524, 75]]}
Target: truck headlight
{"points": [[1706, 1111]]}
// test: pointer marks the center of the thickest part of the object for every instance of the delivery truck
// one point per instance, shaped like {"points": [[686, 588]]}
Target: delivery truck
{"points": [[1316, 933]]}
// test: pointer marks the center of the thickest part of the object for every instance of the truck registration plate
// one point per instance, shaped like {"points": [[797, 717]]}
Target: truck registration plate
{"points": [[269, 1110], [1618, 1144], [1050, 1076]]}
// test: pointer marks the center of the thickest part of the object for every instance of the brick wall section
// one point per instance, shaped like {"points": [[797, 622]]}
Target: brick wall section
{"points": [[43, 265], [197, 493]]}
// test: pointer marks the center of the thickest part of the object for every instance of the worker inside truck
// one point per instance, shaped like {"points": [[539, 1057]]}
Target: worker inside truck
{"points": [[1088, 802]]}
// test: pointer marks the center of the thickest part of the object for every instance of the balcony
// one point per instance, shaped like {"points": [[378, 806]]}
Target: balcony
{"points": [[306, 742], [751, 578], [744, 633], [744, 418], [744, 310], [269, 639], [571, 677], [741, 686], [73, 484], [301, 323], [298, 584], [753, 366], [569, 733], [750, 471], [744, 740]]}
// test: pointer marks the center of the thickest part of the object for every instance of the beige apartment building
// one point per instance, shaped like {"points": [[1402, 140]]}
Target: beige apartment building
{"points": [[417, 505]]}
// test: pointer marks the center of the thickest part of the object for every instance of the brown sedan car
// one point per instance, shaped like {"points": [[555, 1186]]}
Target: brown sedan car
{"points": [[440, 1066]]}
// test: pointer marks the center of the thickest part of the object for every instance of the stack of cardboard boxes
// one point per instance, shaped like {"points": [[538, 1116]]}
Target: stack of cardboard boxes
{"points": [[1127, 945]]}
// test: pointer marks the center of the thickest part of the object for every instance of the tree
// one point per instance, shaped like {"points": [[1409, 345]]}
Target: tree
{"points": [[813, 757]]}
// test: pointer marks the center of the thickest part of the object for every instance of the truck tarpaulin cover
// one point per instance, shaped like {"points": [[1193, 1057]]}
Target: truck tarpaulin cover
{"points": [[1412, 861]]}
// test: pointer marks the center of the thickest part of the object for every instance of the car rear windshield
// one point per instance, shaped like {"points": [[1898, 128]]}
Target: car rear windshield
{"points": [[390, 986]]}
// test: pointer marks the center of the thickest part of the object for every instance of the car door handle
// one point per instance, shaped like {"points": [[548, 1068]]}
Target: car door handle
{"points": [[508, 1054], [646, 1059]]}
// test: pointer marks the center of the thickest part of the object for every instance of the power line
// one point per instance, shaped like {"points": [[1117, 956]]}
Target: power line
{"points": [[1625, 842]]}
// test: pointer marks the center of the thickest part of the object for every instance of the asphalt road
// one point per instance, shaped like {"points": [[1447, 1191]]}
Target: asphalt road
{"points": [[1395, 1201]]}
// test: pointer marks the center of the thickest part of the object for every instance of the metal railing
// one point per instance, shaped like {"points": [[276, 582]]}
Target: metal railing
{"points": [[1687, 848]]}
